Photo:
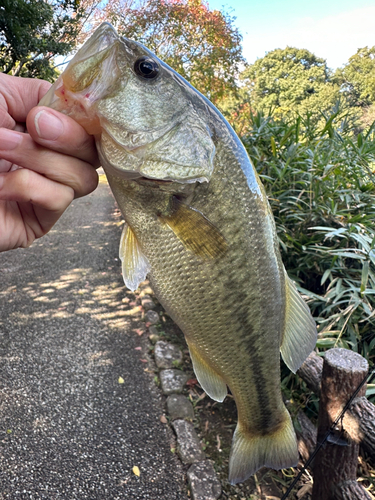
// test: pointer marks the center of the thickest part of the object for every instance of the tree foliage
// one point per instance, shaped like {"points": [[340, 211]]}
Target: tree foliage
{"points": [[288, 80], [357, 78], [33, 32], [202, 45]]}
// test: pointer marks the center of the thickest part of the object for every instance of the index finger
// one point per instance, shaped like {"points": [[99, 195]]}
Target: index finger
{"points": [[19, 96]]}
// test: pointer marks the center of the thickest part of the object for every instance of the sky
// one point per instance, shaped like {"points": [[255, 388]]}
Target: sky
{"points": [[331, 29]]}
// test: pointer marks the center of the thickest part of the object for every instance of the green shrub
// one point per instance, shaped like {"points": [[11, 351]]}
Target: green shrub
{"points": [[320, 182]]}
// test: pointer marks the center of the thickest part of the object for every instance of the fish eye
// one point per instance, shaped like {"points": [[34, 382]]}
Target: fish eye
{"points": [[146, 67]]}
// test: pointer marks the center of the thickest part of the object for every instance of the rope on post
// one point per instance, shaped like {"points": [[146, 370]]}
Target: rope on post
{"points": [[341, 381]]}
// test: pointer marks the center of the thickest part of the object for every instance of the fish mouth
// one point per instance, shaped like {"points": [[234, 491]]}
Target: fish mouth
{"points": [[141, 178], [156, 181], [131, 175]]}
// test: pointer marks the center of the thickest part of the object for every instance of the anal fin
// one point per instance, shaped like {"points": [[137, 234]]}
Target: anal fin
{"points": [[300, 332], [135, 264], [211, 382]]}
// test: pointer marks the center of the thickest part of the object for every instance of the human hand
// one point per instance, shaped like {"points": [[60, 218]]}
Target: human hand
{"points": [[41, 170]]}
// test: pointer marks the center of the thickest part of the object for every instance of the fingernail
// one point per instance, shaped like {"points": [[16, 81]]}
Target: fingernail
{"points": [[9, 139], [48, 125]]}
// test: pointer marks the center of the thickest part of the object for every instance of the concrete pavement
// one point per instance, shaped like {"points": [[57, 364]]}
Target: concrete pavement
{"points": [[68, 333]]}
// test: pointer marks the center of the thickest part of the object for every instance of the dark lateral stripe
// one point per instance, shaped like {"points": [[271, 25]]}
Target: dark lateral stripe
{"points": [[264, 418], [247, 308], [245, 331]]}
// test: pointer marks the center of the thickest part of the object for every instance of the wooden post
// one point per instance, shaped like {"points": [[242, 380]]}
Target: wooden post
{"points": [[359, 420], [306, 436], [335, 466], [363, 414], [311, 372]]}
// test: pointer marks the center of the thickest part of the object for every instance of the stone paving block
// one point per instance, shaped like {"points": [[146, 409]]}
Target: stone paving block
{"points": [[172, 381], [154, 334], [188, 445], [179, 407], [153, 330], [147, 302], [203, 482], [166, 355], [153, 338], [152, 317]]}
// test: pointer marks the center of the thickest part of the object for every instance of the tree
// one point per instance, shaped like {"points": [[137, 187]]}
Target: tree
{"points": [[200, 44], [33, 32], [290, 80], [357, 78]]}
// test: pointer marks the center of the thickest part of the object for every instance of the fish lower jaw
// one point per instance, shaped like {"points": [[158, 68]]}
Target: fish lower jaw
{"points": [[133, 175], [130, 175], [127, 175]]}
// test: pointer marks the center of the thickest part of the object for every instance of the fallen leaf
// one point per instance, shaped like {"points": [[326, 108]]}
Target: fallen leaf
{"points": [[191, 382], [306, 488], [139, 331], [202, 396], [218, 446], [163, 420], [121, 380], [136, 471]]}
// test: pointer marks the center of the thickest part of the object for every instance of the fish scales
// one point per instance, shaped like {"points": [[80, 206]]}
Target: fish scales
{"points": [[202, 296], [198, 222]]}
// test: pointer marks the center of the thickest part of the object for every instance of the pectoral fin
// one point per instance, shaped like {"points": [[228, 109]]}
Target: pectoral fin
{"points": [[300, 333], [211, 382], [195, 231], [135, 264]]}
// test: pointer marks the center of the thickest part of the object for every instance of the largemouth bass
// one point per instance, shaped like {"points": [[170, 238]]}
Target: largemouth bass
{"points": [[198, 223]]}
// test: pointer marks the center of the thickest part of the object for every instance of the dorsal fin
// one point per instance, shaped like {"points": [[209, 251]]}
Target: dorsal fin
{"points": [[300, 333]]}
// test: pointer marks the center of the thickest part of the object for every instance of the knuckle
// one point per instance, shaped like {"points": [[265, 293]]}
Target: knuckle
{"points": [[87, 182], [23, 179], [86, 149]]}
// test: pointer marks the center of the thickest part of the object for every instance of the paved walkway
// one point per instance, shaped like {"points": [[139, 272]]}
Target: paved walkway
{"points": [[68, 429]]}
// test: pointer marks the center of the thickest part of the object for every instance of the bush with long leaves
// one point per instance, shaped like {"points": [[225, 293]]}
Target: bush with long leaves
{"points": [[320, 182]]}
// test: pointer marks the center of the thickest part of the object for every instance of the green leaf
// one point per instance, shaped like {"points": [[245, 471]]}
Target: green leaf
{"points": [[325, 276], [364, 279], [273, 146]]}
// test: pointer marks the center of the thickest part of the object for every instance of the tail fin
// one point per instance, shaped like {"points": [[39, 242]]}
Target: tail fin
{"points": [[250, 452]]}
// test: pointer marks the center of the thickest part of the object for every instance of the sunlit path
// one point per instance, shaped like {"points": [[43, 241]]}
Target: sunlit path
{"points": [[68, 429]]}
